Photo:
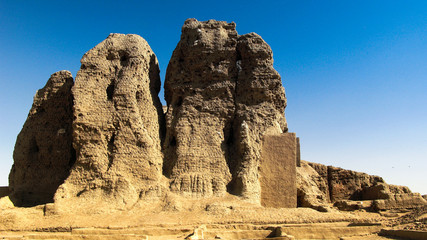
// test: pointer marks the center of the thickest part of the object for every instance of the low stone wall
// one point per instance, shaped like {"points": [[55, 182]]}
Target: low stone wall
{"points": [[407, 200], [405, 234]]}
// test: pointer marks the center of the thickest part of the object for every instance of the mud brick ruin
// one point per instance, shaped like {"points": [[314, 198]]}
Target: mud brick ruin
{"points": [[104, 139]]}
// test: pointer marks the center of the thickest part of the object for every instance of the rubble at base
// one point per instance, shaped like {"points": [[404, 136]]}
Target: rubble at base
{"points": [[320, 185]]}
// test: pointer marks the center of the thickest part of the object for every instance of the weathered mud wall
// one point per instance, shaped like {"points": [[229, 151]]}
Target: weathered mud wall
{"points": [[117, 125], [223, 96], [43, 151], [319, 185]]}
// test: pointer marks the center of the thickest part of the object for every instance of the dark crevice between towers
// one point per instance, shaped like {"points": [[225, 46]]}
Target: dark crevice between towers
{"points": [[155, 86], [231, 139], [169, 144], [329, 177]]}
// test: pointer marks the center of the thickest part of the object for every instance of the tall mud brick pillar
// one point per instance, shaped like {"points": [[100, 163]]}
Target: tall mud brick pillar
{"points": [[278, 171]]}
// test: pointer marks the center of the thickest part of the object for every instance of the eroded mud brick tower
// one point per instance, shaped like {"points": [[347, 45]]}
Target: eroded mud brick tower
{"points": [[107, 142], [225, 124]]}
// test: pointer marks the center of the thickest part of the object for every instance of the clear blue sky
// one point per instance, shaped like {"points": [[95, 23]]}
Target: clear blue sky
{"points": [[355, 72]]}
